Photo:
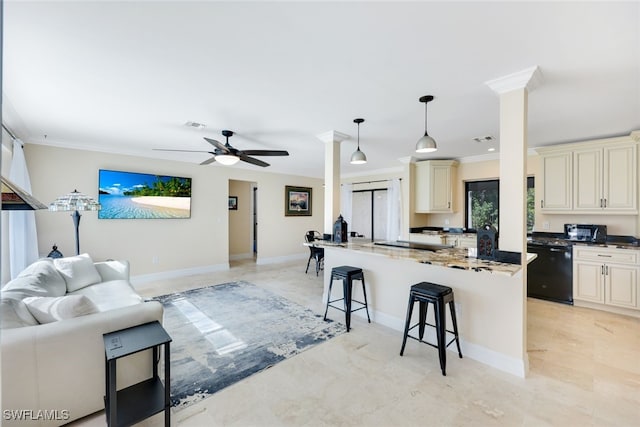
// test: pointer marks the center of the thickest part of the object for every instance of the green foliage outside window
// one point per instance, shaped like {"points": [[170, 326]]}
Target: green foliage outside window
{"points": [[483, 203]]}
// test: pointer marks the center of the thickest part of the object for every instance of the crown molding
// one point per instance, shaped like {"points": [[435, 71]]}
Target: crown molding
{"points": [[529, 78], [332, 136]]}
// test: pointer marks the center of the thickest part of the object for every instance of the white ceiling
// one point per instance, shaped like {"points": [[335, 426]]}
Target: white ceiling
{"points": [[124, 77]]}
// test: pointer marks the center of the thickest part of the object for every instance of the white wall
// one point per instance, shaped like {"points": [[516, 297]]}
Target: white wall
{"points": [[177, 244]]}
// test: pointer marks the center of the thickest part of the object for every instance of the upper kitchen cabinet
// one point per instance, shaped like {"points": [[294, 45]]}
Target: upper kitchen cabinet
{"points": [[556, 184], [591, 177], [433, 187], [605, 179]]}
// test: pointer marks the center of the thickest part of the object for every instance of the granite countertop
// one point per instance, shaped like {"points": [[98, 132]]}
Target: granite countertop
{"points": [[610, 245], [458, 258]]}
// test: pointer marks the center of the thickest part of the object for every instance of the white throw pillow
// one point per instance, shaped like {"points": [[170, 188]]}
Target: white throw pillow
{"points": [[77, 271], [40, 279], [52, 309]]}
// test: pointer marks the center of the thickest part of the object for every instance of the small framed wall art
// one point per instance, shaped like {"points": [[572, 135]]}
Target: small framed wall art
{"points": [[233, 203], [297, 201]]}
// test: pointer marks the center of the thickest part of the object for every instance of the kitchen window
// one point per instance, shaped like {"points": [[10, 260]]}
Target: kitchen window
{"points": [[482, 203]]}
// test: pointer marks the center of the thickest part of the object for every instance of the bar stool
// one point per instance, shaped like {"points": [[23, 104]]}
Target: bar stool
{"points": [[347, 274], [439, 296]]}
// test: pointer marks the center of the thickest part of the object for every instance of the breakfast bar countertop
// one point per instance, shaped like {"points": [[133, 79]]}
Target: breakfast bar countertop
{"points": [[458, 258]]}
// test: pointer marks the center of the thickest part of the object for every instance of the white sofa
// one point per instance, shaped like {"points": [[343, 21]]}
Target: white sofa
{"points": [[52, 318]]}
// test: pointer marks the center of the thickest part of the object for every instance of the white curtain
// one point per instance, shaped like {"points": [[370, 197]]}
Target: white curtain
{"points": [[394, 209], [346, 203], [23, 240]]}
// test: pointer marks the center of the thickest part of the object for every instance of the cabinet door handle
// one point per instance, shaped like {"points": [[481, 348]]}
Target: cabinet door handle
{"points": [[605, 203], [448, 205], [604, 256], [602, 270], [542, 203], [606, 270]]}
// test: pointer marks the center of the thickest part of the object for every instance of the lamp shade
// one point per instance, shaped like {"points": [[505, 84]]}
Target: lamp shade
{"points": [[75, 201], [227, 159], [426, 144], [358, 157], [15, 198]]}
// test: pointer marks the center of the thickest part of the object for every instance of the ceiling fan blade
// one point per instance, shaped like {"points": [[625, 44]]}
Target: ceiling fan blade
{"points": [[217, 144], [209, 161], [253, 161], [183, 151], [265, 152]]}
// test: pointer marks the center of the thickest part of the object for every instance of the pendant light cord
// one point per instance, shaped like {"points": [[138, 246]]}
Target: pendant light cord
{"points": [[358, 136], [425, 118]]}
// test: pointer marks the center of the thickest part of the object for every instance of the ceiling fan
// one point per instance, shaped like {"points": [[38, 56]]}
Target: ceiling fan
{"points": [[228, 155]]}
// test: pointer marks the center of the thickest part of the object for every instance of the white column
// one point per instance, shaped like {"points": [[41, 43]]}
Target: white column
{"points": [[513, 90], [332, 140]]}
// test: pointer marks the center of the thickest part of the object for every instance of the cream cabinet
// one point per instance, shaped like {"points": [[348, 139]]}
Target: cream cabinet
{"points": [[591, 177], [461, 240], [556, 184], [605, 179], [433, 186], [606, 276], [431, 238]]}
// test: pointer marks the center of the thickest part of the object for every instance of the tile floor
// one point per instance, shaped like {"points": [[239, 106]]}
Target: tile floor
{"points": [[584, 371]]}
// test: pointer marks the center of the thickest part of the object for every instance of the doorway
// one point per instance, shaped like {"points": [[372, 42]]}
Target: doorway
{"points": [[243, 220], [369, 213]]}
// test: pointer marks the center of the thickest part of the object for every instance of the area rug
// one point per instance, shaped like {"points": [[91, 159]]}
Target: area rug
{"points": [[225, 333]]}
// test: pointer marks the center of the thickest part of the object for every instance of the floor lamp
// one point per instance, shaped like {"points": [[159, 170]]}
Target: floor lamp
{"points": [[75, 202]]}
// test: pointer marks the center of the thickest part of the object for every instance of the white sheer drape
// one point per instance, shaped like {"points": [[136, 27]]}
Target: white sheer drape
{"points": [[346, 203], [394, 209], [23, 239]]}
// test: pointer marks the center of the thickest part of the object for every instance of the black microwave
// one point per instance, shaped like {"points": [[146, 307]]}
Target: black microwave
{"points": [[590, 233]]}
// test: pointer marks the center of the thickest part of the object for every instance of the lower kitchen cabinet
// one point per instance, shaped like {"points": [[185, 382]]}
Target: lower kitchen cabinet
{"points": [[605, 276]]}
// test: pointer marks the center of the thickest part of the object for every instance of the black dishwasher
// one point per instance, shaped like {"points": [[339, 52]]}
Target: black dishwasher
{"points": [[550, 275]]}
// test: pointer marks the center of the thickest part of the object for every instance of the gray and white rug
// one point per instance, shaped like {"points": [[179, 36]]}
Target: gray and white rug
{"points": [[225, 333]]}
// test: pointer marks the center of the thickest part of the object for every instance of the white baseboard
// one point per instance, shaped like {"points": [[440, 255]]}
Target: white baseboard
{"points": [[172, 274], [473, 351], [278, 259], [238, 257]]}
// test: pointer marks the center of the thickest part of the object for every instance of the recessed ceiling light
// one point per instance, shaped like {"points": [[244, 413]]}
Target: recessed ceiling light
{"points": [[485, 138], [491, 149], [195, 125]]}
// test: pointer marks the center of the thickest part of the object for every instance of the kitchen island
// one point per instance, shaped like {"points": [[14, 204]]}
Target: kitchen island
{"points": [[490, 297]]}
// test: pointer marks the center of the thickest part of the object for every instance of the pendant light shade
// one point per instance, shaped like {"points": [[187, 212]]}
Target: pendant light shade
{"points": [[358, 157], [426, 144]]}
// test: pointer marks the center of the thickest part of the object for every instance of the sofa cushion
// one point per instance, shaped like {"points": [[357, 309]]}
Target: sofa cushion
{"points": [[77, 271], [14, 312], [110, 295], [39, 279], [52, 309]]}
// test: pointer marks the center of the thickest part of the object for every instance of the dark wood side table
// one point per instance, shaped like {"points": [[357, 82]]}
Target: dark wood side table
{"points": [[149, 397]]}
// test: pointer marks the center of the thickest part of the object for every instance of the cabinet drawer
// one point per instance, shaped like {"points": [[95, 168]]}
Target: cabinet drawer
{"points": [[619, 256]]}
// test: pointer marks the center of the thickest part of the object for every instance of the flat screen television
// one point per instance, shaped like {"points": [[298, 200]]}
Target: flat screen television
{"points": [[131, 195]]}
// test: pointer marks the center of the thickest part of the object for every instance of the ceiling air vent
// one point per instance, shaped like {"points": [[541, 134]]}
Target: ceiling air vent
{"points": [[195, 125], [487, 138]]}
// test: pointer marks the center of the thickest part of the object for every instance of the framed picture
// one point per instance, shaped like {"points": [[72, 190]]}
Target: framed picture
{"points": [[233, 203], [297, 201], [132, 195]]}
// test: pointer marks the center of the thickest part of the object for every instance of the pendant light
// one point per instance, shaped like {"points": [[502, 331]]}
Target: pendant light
{"points": [[426, 144], [358, 157]]}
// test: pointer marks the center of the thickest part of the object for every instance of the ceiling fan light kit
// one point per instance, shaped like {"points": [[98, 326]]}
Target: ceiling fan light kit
{"points": [[227, 159], [358, 157], [426, 144]]}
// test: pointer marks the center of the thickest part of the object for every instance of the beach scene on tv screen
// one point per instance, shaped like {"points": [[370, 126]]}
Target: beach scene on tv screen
{"points": [[128, 195]]}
